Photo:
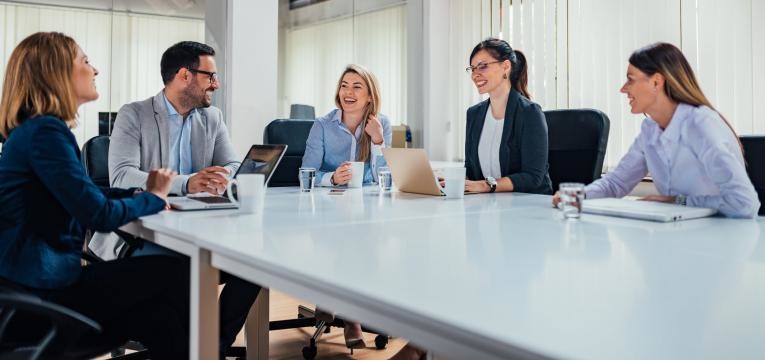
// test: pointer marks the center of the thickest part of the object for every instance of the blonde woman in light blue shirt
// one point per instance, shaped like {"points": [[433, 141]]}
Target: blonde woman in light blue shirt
{"points": [[690, 150]]}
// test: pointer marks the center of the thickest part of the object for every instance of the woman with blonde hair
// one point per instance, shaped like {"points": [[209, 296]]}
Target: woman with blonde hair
{"points": [[690, 150], [48, 200], [355, 131]]}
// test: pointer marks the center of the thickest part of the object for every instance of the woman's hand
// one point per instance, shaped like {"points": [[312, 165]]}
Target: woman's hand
{"points": [[659, 198], [374, 129], [343, 174], [160, 181], [478, 186]]}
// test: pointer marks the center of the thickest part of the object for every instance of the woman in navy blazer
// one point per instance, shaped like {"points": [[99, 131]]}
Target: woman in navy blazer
{"points": [[506, 141], [48, 200]]}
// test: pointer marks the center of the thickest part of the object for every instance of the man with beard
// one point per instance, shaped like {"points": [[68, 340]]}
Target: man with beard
{"points": [[180, 130]]}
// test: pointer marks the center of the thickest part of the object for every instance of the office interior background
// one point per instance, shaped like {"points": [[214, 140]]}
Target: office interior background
{"points": [[274, 53]]}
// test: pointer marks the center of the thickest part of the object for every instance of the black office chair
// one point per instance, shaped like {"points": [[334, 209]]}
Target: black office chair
{"points": [[300, 111], [577, 144], [754, 155], [32, 328], [294, 133]]}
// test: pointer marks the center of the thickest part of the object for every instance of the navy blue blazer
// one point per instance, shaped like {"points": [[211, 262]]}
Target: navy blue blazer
{"points": [[523, 149], [46, 201]]}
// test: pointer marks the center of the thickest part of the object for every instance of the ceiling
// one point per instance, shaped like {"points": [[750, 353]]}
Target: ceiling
{"points": [[182, 8]]}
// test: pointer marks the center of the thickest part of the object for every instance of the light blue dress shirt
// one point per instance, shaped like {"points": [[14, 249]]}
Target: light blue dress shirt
{"points": [[697, 155], [330, 143], [179, 135]]}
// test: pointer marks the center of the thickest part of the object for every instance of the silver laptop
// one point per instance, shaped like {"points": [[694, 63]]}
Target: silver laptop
{"points": [[644, 210], [261, 159]]}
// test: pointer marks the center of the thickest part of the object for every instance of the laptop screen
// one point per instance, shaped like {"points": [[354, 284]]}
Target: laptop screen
{"points": [[262, 159]]}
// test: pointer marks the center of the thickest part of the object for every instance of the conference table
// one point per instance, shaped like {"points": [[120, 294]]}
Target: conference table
{"points": [[489, 276]]}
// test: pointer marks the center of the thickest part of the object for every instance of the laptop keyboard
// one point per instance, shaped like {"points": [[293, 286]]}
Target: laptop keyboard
{"points": [[212, 199]]}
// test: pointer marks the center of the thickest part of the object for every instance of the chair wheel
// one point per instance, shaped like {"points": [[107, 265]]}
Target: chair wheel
{"points": [[381, 341], [309, 352]]}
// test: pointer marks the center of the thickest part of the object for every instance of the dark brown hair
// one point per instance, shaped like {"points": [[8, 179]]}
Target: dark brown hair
{"points": [[501, 50]]}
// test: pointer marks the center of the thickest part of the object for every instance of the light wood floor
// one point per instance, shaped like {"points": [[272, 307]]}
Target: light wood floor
{"points": [[287, 344]]}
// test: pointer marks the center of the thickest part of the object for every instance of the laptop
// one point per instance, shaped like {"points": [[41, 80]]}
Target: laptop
{"points": [[644, 210], [261, 159], [411, 171]]}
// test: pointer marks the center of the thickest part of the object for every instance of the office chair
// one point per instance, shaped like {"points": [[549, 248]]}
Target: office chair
{"points": [[294, 133], [300, 111], [754, 155], [32, 328], [577, 144]]}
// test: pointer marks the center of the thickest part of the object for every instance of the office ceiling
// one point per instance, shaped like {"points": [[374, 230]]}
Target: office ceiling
{"points": [[182, 8]]}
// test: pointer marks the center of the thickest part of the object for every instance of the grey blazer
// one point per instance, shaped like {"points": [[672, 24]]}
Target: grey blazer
{"points": [[139, 143], [523, 149]]}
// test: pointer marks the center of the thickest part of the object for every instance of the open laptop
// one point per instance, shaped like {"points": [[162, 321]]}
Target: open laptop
{"points": [[261, 159], [411, 171], [644, 210]]}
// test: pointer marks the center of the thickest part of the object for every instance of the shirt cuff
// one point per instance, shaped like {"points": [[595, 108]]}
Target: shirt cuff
{"points": [[185, 186], [377, 149], [326, 180]]}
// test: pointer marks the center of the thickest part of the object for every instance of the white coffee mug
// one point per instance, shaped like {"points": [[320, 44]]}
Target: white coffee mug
{"points": [[250, 192], [357, 174], [454, 182]]}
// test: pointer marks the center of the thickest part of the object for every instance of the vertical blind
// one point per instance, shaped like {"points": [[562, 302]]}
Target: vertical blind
{"points": [[125, 48], [317, 54]]}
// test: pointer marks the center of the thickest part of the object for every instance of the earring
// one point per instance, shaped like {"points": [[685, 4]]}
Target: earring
{"points": [[504, 76]]}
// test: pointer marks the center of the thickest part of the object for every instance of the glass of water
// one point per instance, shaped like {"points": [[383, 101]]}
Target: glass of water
{"points": [[384, 180], [307, 176], [571, 197]]}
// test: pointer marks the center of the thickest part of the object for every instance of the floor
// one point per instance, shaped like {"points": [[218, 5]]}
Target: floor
{"points": [[288, 344]]}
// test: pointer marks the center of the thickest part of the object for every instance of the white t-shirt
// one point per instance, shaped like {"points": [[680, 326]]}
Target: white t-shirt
{"points": [[488, 146]]}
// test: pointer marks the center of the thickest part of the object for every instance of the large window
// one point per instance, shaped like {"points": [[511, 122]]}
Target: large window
{"points": [[125, 48], [317, 49], [578, 51]]}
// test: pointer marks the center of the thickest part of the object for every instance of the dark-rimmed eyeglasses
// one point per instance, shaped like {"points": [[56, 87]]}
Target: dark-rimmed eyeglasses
{"points": [[213, 75], [481, 67]]}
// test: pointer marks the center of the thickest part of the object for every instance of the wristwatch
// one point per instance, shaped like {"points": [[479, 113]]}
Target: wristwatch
{"points": [[492, 184], [681, 200]]}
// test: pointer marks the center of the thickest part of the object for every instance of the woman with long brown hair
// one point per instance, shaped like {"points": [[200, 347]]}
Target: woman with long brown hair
{"points": [[48, 200], [355, 131], [690, 150]]}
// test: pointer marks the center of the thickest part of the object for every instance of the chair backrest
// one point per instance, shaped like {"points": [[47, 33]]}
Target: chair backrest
{"points": [[95, 159], [754, 154], [32, 328], [577, 141], [300, 111], [294, 133]]}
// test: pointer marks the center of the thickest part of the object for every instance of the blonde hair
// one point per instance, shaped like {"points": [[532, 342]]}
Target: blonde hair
{"points": [[38, 81], [371, 108], [680, 83]]}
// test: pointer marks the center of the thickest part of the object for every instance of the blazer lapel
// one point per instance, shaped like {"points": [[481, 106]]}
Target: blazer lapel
{"points": [[507, 131], [199, 146], [160, 117]]}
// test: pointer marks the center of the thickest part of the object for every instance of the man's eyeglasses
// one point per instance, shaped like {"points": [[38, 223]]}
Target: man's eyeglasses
{"points": [[481, 67], [213, 75]]}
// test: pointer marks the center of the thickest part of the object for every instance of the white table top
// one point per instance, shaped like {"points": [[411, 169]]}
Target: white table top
{"points": [[506, 269]]}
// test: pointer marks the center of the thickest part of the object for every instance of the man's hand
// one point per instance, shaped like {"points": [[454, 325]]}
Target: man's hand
{"points": [[212, 179]]}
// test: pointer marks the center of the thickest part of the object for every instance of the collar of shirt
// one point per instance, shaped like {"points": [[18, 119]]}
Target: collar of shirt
{"points": [[673, 130], [171, 110]]}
